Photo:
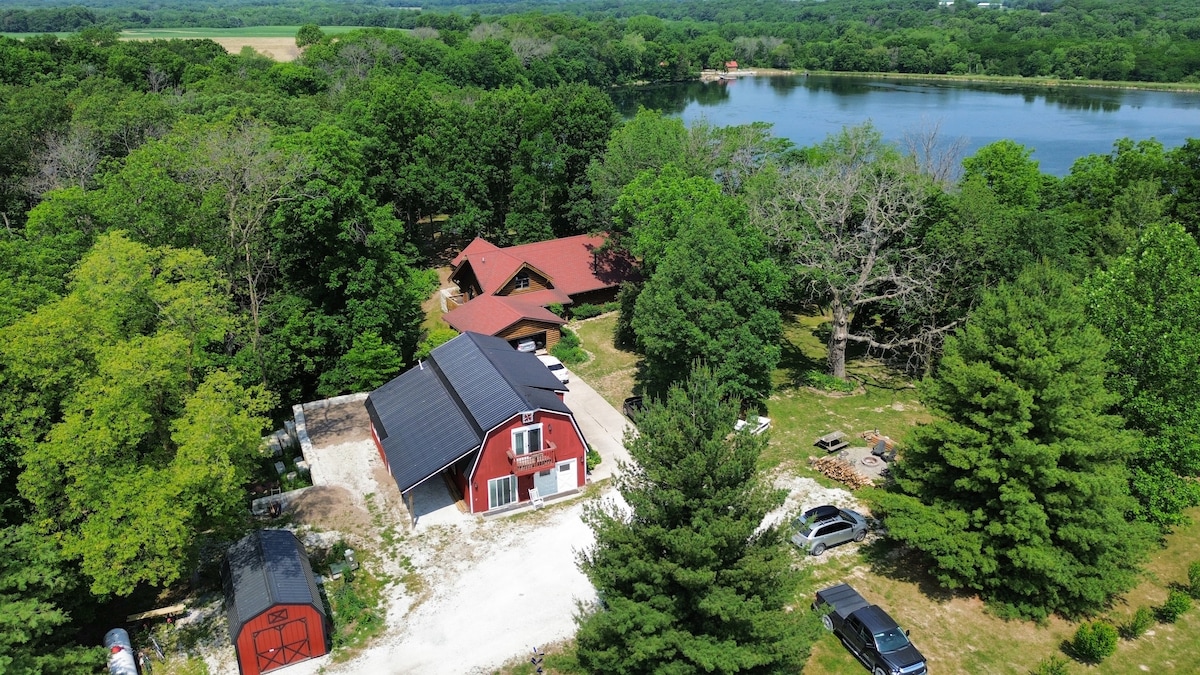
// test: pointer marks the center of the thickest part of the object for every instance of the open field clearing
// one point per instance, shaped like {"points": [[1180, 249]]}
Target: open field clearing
{"points": [[955, 631], [276, 42]]}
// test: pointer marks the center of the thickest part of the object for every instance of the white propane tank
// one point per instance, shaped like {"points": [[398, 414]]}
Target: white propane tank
{"points": [[120, 653]]}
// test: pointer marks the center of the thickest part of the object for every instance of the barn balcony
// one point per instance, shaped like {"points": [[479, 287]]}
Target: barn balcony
{"points": [[533, 462]]}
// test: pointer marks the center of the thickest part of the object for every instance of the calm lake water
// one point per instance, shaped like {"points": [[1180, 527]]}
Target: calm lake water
{"points": [[1059, 124]]}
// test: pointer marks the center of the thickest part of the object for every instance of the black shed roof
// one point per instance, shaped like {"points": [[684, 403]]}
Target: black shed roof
{"points": [[264, 569], [439, 411]]}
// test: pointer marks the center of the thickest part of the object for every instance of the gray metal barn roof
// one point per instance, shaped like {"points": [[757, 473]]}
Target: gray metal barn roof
{"points": [[264, 569], [438, 412]]}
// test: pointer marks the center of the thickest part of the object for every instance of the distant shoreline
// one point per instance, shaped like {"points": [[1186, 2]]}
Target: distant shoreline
{"points": [[1045, 82]]}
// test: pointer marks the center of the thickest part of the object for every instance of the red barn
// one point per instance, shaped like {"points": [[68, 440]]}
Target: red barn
{"points": [[489, 418], [275, 613]]}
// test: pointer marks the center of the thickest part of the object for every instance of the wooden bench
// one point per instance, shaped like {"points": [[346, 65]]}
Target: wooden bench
{"points": [[833, 441]]}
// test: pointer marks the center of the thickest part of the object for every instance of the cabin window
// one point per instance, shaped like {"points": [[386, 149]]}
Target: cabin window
{"points": [[521, 281], [502, 491], [527, 439]]}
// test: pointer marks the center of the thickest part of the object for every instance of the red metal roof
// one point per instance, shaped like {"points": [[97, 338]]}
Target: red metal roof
{"points": [[490, 314]]}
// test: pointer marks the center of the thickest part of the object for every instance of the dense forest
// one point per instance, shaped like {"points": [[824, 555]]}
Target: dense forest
{"points": [[655, 39], [193, 241]]}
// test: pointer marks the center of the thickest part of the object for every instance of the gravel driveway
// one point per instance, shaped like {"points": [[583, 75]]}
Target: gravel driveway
{"points": [[490, 589]]}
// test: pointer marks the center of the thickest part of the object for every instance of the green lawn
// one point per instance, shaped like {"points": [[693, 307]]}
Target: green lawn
{"points": [[955, 631]]}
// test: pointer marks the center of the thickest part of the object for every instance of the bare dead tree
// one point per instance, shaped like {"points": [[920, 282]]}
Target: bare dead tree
{"points": [[240, 166], [487, 31], [527, 48], [357, 60], [844, 224], [938, 157], [64, 160], [426, 33], [157, 80], [770, 43]]}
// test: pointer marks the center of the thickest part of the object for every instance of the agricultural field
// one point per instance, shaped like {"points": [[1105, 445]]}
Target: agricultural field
{"points": [[276, 42]]}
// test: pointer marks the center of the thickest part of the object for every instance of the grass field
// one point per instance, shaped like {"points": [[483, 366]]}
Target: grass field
{"points": [[214, 33], [276, 42], [172, 33], [955, 631]]}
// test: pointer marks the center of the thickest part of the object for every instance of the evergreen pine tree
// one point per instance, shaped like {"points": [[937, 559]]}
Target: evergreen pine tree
{"points": [[689, 580], [1018, 489]]}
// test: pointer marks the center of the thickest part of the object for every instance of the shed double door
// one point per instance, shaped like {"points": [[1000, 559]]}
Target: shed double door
{"points": [[561, 478], [281, 644]]}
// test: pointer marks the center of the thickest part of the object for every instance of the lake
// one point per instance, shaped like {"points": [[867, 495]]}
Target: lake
{"points": [[1060, 124]]}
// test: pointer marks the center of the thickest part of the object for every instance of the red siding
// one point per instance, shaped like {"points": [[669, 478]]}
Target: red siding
{"points": [[557, 428], [282, 635], [379, 447]]}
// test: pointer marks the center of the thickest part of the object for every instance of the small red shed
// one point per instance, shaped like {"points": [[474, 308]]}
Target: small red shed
{"points": [[275, 613], [731, 65]]}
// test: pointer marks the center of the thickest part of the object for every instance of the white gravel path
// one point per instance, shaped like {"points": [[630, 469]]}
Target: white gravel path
{"points": [[490, 589]]}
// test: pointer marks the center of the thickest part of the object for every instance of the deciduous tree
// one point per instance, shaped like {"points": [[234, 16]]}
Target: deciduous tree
{"points": [[713, 297], [843, 225], [1148, 305], [132, 440]]}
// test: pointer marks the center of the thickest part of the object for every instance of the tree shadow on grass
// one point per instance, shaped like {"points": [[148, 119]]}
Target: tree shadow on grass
{"points": [[794, 361], [895, 561]]}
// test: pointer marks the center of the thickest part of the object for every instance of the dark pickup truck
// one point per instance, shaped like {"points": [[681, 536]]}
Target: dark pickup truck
{"points": [[869, 633]]}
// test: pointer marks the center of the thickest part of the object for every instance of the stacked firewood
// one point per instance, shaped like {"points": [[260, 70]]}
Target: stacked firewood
{"points": [[839, 470]]}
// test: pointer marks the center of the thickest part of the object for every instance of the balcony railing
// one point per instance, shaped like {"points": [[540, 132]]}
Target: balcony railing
{"points": [[533, 462]]}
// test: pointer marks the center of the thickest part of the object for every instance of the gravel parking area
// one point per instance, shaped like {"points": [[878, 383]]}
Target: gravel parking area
{"points": [[489, 590]]}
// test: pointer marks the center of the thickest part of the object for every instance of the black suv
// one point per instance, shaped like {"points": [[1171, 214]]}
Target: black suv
{"points": [[633, 407]]}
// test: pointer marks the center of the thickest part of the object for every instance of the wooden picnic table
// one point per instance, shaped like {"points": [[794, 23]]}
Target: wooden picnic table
{"points": [[832, 441]]}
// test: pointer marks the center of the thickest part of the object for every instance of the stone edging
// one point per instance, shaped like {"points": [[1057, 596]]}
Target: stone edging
{"points": [[306, 445]]}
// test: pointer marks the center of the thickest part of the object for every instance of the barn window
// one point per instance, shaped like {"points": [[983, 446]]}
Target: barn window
{"points": [[522, 280], [527, 439], [502, 491]]}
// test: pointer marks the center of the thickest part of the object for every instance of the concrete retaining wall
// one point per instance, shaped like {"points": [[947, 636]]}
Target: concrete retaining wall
{"points": [[306, 445]]}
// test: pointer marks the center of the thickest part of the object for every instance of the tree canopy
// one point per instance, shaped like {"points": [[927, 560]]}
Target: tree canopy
{"points": [[713, 295], [1148, 305], [1019, 488], [134, 440]]}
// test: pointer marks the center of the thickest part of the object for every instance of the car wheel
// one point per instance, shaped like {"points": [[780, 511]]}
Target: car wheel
{"points": [[860, 536], [827, 621], [880, 671], [818, 549]]}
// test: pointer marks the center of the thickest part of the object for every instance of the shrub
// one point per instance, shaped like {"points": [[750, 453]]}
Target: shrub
{"points": [[592, 459], [435, 338], [569, 355], [1138, 624], [1051, 665], [1095, 641], [568, 338], [586, 311], [826, 382], [1194, 580], [1176, 605], [556, 309], [568, 350]]}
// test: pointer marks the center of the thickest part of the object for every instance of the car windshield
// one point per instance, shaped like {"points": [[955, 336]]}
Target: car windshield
{"points": [[804, 527], [846, 514], [891, 640]]}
